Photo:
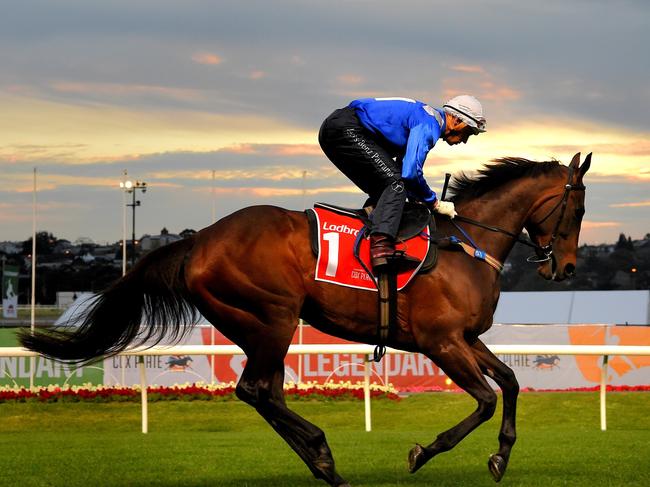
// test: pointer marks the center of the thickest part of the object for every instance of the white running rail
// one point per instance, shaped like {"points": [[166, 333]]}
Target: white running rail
{"points": [[601, 350]]}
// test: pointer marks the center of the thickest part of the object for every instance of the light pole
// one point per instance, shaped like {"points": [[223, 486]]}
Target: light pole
{"points": [[133, 188], [124, 189]]}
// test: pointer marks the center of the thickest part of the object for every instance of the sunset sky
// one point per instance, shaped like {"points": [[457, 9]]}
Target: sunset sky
{"points": [[172, 91]]}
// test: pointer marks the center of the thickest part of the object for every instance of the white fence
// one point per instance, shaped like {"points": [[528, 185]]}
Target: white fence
{"points": [[599, 350]]}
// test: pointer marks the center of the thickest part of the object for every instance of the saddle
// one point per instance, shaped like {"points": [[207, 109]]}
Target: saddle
{"points": [[415, 219], [413, 227]]}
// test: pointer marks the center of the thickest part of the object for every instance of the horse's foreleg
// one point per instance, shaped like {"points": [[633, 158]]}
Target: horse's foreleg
{"points": [[505, 378], [261, 386], [456, 359]]}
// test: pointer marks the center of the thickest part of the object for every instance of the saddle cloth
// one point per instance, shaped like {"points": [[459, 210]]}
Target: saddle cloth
{"points": [[334, 231]]}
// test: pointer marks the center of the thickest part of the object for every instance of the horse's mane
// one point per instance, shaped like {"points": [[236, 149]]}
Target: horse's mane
{"points": [[492, 176]]}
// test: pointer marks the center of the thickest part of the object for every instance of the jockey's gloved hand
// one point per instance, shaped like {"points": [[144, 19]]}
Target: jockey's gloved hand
{"points": [[444, 208]]}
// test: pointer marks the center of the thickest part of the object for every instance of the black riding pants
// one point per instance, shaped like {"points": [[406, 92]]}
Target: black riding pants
{"points": [[367, 162]]}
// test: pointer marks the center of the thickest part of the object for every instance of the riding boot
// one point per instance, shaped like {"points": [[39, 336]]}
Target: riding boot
{"points": [[383, 254]]}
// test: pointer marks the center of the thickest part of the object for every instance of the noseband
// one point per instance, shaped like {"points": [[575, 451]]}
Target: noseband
{"points": [[543, 253]]}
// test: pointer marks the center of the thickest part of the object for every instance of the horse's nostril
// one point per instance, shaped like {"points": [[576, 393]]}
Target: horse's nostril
{"points": [[570, 270]]}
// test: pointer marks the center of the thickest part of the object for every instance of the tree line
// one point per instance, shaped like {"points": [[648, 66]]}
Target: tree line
{"points": [[60, 267]]}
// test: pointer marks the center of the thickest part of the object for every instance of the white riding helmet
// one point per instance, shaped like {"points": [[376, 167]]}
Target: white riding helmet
{"points": [[468, 109]]}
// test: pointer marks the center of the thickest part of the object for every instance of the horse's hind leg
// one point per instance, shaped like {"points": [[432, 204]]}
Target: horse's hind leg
{"points": [[263, 325], [505, 378], [261, 386], [456, 358]]}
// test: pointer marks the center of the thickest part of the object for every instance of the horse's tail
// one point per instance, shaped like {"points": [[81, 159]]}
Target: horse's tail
{"points": [[149, 303]]}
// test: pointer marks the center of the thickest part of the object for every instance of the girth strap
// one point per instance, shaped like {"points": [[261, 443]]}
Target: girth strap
{"points": [[481, 255]]}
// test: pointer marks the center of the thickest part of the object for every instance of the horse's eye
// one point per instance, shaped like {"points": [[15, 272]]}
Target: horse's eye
{"points": [[580, 213]]}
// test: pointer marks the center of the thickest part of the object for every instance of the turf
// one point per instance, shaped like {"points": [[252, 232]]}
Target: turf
{"points": [[227, 444]]}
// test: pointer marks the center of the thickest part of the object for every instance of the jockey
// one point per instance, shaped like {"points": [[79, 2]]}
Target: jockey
{"points": [[381, 144]]}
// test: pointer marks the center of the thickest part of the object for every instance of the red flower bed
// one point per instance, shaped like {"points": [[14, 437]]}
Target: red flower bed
{"points": [[190, 392], [226, 392]]}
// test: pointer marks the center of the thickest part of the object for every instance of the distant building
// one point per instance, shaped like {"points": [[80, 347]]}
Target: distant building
{"points": [[151, 242], [84, 241], [106, 253], [597, 250], [86, 258], [10, 247], [63, 246]]}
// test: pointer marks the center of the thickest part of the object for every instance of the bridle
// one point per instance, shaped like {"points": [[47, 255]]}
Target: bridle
{"points": [[543, 253]]}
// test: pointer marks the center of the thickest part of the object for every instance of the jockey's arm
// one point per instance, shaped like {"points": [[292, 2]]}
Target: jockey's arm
{"points": [[421, 140]]}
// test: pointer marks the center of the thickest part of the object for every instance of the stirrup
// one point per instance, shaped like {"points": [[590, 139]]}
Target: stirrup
{"points": [[398, 262]]}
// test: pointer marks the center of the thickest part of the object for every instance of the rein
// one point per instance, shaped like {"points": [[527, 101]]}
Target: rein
{"points": [[491, 228], [543, 253]]}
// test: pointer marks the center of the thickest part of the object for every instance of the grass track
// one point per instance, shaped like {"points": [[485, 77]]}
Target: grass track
{"points": [[227, 444]]}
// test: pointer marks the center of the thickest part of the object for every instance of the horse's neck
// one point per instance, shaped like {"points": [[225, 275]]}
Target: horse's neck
{"points": [[506, 207]]}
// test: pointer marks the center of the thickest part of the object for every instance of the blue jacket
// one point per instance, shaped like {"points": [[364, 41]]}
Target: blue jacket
{"points": [[412, 127]]}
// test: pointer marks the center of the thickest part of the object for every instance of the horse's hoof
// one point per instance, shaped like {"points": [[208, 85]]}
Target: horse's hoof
{"points": [[497, 466], [417, 457]]}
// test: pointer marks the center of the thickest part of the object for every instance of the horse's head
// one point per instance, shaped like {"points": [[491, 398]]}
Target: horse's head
{"points": [[555, 222]]}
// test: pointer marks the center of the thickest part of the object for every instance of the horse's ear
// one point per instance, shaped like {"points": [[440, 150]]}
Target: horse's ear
{"points": [[575, 161], [585, 167]]}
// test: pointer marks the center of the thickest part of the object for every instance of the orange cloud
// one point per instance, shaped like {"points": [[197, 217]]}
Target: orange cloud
{"points": [[484, 85], [241, 149], [542, 139], [117, 89], [17, 89], [586, 224], [15, 213], [267, 192], [352, 94], [466, 68], [19, 212], [275, 149], [206, 58], [297, 150], [350, 79], [493, 92], [111, 132], [636, 204], [270, 173], [632, 147], [18, 153], [23, 182]]}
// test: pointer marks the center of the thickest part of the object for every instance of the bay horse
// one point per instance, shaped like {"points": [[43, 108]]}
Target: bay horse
{"points": [[251, 275]]}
